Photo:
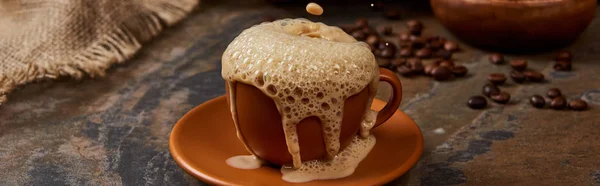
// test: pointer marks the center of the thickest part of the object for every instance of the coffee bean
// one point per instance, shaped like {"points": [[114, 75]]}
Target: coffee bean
{"points": [[553, 92], [444, 54], [368, 30], [534, 76], [382, 62], [423, 53], [518, 64], [502, 97], [429, 68], [347, 28], [537, 101], [477, 102], [460, 70], [415, 27], [358, 35], [558, 103], [441, 73], [564, 56], [392, 14], [451, 46], [404, 37], [562, 66], [387, 30], [497, 78], [434, 45], [377, 52], [404, 70], [372, 40], [416, 65], [578, 104], [361, 22], [496, 58], [490, 89], [434, 38], [517, 76], [446, 63], [417, 43], [397, 62], [388, 51], [405, 52]]}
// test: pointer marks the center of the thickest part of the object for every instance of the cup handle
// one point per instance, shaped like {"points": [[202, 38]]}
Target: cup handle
{"points": [[395, 98]]}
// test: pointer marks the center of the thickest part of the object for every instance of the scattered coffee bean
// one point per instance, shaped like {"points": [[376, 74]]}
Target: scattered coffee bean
{"points": [[372, 40], [490, 89], [388, 51], [578, 104], [477, 102], [398, 62], [404, 70], [382, 62], [376, 52], [392, 14], [502, 97], [416, 65], [387, 30], [517, 76], [405, 52], [358, 35], [434, 45], [441, 73], [534, 76], [553, 93], [497, 78], [558, 103], [562, 66], [404, 37], [415, 27], [460, 70], [446, 63], [417, 43], [496, 58], [564, 56], [444, 54], [451, 46], [537, 101], [361, 22], [423, 53], [368, 30], [518, 64], [429, 68]]}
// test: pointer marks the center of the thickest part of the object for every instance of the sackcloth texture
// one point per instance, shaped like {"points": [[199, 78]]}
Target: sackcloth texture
{"points": [[48, 39]]}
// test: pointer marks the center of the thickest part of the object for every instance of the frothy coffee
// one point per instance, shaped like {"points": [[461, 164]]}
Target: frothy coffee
{"points": [[308, 69]]}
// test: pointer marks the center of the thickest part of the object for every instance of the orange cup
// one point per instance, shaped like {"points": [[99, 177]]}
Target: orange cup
{"points": [[261, 129]]}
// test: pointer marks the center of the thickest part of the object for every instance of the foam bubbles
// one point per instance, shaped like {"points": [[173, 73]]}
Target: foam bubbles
{"points": [[307, 68]]}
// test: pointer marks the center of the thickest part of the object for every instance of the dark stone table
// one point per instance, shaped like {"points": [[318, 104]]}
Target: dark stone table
{"points": [[115, 130]]}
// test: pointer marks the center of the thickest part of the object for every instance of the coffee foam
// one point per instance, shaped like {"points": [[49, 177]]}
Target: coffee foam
{"points": [[341, 166], [307, 68]]}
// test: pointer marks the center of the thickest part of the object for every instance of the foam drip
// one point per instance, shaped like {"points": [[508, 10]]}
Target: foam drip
{"points": [[340, 166]]}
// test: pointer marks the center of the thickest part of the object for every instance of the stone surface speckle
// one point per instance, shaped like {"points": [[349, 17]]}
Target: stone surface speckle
{"points": [[115, 130]]}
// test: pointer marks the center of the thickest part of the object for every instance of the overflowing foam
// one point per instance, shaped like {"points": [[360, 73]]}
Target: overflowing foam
{"points": [[245, 162], [341, 166], [308, 69]]}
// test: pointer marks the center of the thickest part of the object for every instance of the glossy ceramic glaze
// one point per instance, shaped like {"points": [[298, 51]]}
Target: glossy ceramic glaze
{"points": [[512, 25], [205, 137], [260, 123]]}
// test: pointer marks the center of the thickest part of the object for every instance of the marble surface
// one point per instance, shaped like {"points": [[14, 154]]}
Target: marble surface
{"points": [[115, 130]]}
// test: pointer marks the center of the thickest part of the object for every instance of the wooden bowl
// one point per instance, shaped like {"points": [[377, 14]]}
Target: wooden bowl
{"points": [[515, 25]]}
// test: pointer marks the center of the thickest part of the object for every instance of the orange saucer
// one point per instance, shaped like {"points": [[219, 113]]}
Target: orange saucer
{"points": [[205, 137]]}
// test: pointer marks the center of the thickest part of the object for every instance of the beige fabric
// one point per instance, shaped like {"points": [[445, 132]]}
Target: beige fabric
{"points": [[47, 39]]}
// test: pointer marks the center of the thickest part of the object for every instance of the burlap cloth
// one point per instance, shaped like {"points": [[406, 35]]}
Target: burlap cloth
{"points": [[47, 39]]}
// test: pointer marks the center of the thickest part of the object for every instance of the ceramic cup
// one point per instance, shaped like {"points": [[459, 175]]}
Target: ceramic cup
{"points": [[260, 124]]}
